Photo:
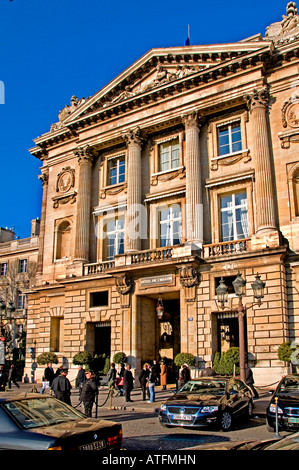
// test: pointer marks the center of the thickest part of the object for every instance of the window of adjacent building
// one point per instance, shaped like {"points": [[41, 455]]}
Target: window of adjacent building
{"points": [[99, 299], [21, 301], [115, 236], [3, 269], [23, 266], [63, 241], [169, 155], [116, 170], [229, 138], [234, 216], [57, 333], [170, 225]]}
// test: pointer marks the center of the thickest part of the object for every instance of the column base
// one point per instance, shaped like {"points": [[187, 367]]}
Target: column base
{"points": [[266, 238]]}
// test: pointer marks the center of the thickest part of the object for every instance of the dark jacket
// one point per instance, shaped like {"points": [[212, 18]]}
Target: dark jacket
{"points": [[89, 391], [61, 387], [111, 374], [143, 376], [128, 380], [49, 374], [80, 379]]}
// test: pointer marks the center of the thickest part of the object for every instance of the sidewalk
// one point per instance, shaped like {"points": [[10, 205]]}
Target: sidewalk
{"points": [[118, 402]]}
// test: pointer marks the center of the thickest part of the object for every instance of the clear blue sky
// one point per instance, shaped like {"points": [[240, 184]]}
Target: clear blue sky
{"points": [[53, 49]]}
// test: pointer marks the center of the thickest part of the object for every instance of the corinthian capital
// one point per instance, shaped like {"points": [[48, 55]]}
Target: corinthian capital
{"points": [[44, 177], [258, 98], [193, 119], [133, 136], [84, 154]]}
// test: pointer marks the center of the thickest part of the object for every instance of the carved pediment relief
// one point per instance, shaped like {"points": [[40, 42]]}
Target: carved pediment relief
{"points": [[66, 111]]}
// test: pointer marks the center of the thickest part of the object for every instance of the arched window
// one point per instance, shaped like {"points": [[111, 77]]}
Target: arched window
{"points": [[63, 240]]}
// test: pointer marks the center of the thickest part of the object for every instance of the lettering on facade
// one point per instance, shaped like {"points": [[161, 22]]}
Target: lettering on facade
{"points": [[156, 280]]}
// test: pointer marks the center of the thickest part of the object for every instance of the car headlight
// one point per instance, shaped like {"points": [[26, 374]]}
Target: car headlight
{"points": [[163, 407], [209, 409], [272, 409]]}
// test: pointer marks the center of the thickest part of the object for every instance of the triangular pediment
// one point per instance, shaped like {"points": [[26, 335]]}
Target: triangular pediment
{"points": [[159, 68]]}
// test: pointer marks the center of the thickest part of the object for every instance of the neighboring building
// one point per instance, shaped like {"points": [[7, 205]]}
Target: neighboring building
{"points": [[18, 258], [181, 171]]}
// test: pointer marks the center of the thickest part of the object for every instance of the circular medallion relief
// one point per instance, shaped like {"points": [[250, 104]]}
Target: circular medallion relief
{"points": [[65, 180], [292, 115]]}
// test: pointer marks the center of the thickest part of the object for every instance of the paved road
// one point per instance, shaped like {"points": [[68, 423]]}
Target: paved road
{"points": [[142, 431]]}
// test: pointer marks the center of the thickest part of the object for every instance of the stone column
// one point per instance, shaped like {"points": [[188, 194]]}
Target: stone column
{"points": [[134, 195], [85, 159], [194, 208], [265, 201], [44, 177]]}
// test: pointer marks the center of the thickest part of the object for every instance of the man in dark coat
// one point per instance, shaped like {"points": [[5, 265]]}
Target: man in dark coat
{"points": [[250, 380], [62, 388], [49, 374], [89, 392], [128, 383], [143, 379], [80, 379]]}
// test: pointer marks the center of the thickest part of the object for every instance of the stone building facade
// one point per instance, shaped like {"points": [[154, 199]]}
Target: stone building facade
{"points": [[181, 171]]}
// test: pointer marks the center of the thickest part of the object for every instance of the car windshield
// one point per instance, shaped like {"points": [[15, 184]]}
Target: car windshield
{"points": [[35, 413], [289, 385], [199, 387]]}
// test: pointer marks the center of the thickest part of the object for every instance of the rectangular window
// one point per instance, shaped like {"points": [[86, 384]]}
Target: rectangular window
{"points": [[116, 170], [169, 155], [170, 225], [3, 269], [229, 138], [99, 299], [21, 301], [234, 217], [115, 236], [23, 266]]}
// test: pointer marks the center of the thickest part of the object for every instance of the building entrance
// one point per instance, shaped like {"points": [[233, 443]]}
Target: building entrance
{"points": [[98, 338], [228, 331]]}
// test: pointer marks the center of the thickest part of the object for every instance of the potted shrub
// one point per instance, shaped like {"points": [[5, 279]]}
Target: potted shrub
{"points": [[185, 358], [119, 358], [46, 358], [82, 358]]}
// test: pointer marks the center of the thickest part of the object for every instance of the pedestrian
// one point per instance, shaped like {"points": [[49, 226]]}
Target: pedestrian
{"points": [[250, 380], [163, 375], [89, 392], [80, 379], [112, 374], [185, 375], [157, 370], [208, 371], [143, 379], [61, 387], [128, 382], [49, 374], [57, 373], [151, 385], [12, 376], [3, 377]]}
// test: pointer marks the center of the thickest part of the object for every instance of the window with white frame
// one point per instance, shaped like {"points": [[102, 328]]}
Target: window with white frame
{"points": [[229, 138], [169, 155], [170, 225], [3, 269], [115, 236], [234, 216], [21, 301], [116, 170], [23, 266]]}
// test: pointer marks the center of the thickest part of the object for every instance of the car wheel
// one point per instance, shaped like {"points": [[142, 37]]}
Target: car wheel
{"points": [[226, 421]]}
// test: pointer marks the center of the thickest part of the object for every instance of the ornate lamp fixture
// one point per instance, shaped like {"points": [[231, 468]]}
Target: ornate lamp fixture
{"points": [[160, 308], [222, 293], [258, 287]]}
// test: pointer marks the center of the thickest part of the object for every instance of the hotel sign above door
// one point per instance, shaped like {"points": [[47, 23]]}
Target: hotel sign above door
{"points": [[156, 280]]}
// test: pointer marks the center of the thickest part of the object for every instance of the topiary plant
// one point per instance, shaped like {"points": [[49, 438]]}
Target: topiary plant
{"points": [[185, 358], [82, 358], [120, 358], [46, 358], [285, 351]]}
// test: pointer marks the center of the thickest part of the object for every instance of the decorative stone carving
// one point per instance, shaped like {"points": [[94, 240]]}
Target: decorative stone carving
{"points": [[189, 278], [66, 111], [258, 98], [286, 29], [290, 112], [65, 180], [133, 136], [84, 154], [124, 285]]}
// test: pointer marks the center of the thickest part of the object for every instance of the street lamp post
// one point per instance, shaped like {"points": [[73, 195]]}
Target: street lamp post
{"points": [[239, 285]]}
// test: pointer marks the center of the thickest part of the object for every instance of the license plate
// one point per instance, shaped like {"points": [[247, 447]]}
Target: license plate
{"points": [[182, 417], [98, 445], [293, 420]]}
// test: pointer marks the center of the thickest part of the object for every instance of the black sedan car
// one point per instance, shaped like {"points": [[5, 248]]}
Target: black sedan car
{"points": [[286, 396], [219, 401], [37, 422]]}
